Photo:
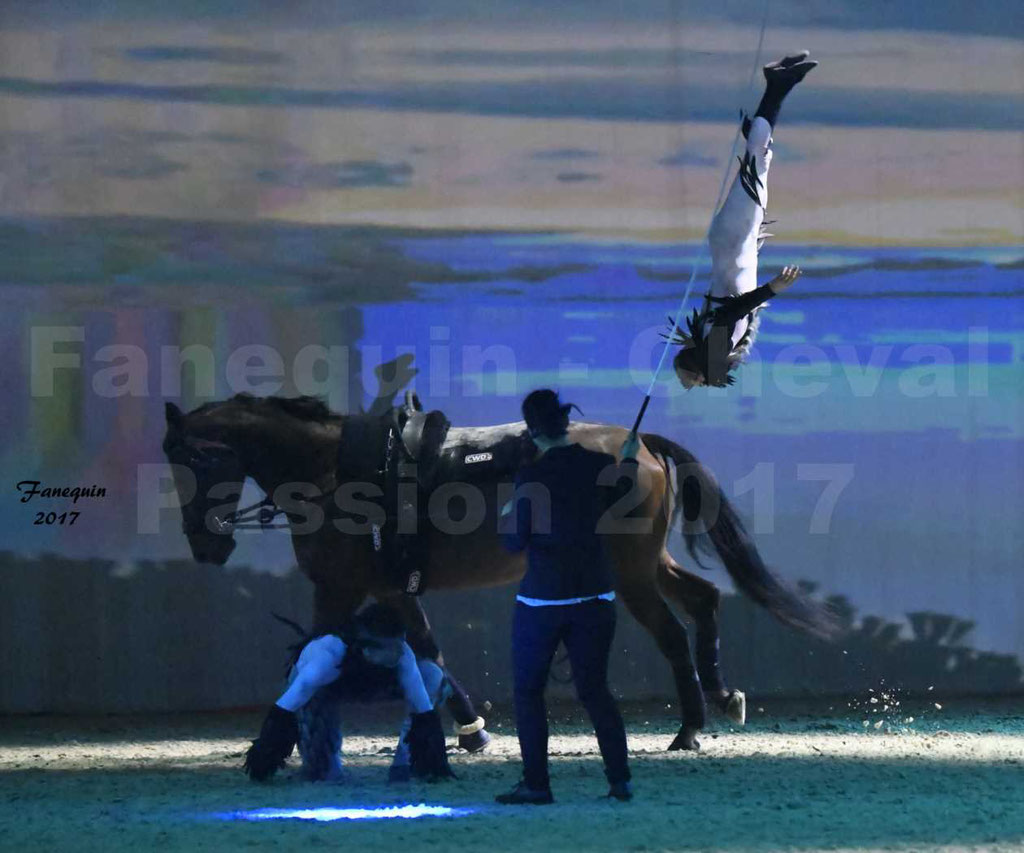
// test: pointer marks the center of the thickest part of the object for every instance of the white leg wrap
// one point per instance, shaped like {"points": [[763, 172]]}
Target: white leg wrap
{"points": [[470, 728]]}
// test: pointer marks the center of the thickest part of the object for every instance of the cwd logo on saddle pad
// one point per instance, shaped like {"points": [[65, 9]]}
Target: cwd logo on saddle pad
{"points": [[478, 457]]}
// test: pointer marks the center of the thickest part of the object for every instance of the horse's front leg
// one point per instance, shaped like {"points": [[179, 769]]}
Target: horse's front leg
{"points": [[469, 726]]}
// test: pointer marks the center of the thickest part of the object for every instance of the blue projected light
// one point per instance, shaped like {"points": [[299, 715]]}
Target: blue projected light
{"points": [[327, 813]]}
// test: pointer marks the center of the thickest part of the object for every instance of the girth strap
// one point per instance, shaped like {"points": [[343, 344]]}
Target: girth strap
{"points": [[376, 450]]}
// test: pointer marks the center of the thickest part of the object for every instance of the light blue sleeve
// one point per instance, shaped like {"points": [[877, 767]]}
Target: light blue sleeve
{"points": [[318, 665], [411, 681]]}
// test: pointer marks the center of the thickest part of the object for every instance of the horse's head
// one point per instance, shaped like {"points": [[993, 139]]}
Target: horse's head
{"points": [[208, 476]]}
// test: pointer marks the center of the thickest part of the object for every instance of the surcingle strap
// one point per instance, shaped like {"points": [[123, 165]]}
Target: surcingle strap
{"points": [[400, 544], [361, 449], [414, 583], [372, 452]]}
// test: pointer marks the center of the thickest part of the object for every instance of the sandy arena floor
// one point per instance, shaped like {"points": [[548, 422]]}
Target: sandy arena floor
{"points": [[950, 778]]}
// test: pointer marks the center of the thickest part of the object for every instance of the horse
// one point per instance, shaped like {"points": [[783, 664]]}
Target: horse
{"points": [[290, 447]]}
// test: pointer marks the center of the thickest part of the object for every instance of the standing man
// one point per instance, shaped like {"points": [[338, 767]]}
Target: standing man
{"points": [[566, 596]]}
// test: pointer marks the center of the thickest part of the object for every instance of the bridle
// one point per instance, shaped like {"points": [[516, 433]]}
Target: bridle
{"points": [[201, 455]]}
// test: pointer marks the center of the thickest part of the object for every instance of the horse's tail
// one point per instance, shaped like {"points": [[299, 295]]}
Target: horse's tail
{"points": [[710, 524]]}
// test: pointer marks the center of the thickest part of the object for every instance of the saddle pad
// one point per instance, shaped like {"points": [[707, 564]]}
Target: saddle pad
{"points": [[483, 455]]}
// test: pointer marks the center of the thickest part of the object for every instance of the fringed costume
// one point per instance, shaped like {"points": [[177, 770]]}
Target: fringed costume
{"points": [[719, 336]]}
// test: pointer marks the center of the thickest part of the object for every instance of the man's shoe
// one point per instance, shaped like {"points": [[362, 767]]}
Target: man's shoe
{"points": [[521, 795], [621, 791]]}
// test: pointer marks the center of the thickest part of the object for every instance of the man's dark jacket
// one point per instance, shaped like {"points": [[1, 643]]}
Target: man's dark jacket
{"points": [[559, 507]]}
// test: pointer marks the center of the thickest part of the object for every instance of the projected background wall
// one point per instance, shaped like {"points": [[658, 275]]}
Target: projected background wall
{"points": [[515, 195]]}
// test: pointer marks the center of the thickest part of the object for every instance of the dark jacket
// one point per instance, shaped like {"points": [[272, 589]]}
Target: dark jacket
{"points": [[732, 309], [729, 311], [358, 680], [566, 555], [362, 681]]}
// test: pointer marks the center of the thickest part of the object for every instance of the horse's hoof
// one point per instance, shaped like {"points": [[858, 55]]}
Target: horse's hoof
{"points": [[476, 742], [736, 707], [686, 740]]}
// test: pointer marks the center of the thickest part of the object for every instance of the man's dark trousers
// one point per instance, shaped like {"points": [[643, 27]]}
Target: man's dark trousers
{"points": [[587, 630]]}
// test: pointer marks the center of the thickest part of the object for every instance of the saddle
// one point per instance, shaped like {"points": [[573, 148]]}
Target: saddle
{"points": [[405, 455], [422, 436]]}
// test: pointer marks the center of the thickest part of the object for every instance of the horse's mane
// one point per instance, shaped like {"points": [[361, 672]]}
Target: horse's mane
{"points": [[303, 408]]}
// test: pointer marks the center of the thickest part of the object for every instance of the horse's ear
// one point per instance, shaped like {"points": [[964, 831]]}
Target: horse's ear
{"points": [[173, 414]]}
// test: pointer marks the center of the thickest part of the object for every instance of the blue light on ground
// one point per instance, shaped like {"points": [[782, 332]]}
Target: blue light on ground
{"points": [[327, 813]]}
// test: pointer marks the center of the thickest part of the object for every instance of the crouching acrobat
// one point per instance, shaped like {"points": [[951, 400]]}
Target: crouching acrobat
{"points": [[366, 660]]}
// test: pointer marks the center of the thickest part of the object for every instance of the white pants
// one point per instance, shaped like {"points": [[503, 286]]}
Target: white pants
{"points": [[328, 767], [734, 230]]}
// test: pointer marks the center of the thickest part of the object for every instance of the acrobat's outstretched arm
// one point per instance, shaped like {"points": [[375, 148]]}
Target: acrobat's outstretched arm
{"points": [[784, 280], [733, 308]]}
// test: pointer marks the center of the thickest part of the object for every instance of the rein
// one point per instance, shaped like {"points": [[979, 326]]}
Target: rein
{"points": [[258, 516], [262, 513]]}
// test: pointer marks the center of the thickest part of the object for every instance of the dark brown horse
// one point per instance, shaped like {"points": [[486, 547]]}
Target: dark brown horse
{"points": [[290, 446]]}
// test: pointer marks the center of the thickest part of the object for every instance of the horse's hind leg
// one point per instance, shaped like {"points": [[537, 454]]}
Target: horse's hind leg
{"points": [[651, 611], [472, 735], [700, 598]]}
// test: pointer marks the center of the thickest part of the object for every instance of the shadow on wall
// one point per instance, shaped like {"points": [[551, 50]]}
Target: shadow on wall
{"points": [[87, 635]]}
